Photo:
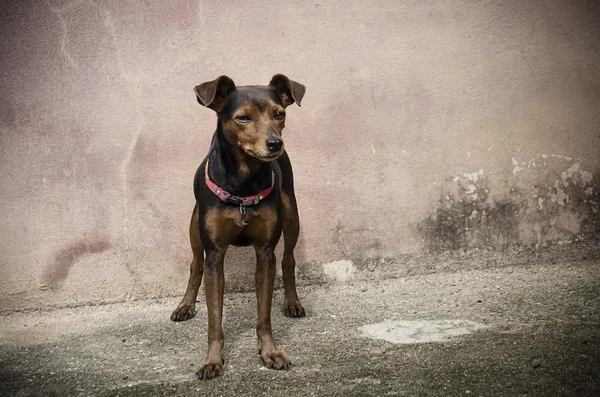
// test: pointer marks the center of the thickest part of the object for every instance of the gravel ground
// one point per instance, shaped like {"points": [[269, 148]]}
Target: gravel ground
{"points": [[522, 330]]}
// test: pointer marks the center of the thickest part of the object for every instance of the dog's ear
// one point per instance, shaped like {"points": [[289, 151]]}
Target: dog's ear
{"points": [[213, 94], [288, 91]]}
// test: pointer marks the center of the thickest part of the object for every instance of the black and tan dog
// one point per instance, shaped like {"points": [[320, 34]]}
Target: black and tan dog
{"points": [[244, 196]]}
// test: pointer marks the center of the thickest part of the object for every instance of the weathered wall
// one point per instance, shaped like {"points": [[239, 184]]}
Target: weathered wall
{"points": [[426, 126]]}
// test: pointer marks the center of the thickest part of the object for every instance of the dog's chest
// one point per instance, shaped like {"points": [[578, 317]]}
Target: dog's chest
{"points": [[255, 225]]}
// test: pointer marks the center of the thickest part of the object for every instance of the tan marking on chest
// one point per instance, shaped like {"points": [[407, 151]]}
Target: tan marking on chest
{"points": [[262, 223], [223, 225], [226, 224]]}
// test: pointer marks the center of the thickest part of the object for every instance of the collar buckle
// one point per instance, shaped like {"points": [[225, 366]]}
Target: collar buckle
{"points": [[235, 200]]}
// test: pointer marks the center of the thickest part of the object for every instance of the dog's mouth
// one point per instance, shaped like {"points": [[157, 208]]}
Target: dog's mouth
{"points": [[267, 157]]}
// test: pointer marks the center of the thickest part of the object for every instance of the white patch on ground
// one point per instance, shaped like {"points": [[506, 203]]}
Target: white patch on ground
{"points": [[407, 332], [341, 271]]}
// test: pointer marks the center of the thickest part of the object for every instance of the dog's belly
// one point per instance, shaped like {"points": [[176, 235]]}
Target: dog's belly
{"points": [[241, 240]]}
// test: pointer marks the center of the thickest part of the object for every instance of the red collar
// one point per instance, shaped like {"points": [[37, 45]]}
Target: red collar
{"points": [[228, 198]]}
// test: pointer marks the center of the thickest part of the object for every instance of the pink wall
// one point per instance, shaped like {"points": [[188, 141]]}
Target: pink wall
{"points": [[426, 125]]}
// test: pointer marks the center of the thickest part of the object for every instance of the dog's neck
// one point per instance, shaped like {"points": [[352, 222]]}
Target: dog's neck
{"points": [[234, 170]]}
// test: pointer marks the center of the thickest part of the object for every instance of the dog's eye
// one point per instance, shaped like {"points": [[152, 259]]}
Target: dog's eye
{"points": [[279, 115], [243, 119]]}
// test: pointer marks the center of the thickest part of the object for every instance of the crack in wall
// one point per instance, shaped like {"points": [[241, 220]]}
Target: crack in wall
{"points": [[132, 79], [134, 89], [125, 164], [64, 42]]}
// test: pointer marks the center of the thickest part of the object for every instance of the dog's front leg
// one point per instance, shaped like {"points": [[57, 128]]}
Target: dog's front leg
{"points": [[214, 282], [265, 277]]}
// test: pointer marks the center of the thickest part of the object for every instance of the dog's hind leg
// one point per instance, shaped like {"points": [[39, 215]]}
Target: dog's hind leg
{"points": [[187, 307]]}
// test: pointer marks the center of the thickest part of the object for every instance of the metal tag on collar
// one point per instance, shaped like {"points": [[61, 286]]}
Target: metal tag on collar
{"points": [[242, 210]]}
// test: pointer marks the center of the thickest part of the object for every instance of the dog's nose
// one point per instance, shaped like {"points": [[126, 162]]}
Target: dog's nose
{"points": [[274, 143]]}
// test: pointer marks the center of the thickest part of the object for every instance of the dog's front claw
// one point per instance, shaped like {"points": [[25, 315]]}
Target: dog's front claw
{"points": [[276, 360], [294, 309], [184, 311], [209, 371]]}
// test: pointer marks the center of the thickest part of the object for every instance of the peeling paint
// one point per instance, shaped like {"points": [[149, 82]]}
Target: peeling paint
{"points": [[551, 198], [517, 167], [473, 176]]}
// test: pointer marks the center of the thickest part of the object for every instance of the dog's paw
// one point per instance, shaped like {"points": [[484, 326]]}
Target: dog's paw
{"points": [[209, 371], [294, 309], [275, 360], [184, 311]]}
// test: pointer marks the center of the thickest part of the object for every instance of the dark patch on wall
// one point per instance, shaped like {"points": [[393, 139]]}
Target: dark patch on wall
{"points": [[590, 226], [470, 220], [58, 270], [551, 199]]}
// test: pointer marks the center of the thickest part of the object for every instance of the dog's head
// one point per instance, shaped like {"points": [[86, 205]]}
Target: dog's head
{"points": [[253, 117]]}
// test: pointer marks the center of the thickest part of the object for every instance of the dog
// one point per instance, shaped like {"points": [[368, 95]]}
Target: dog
{"points": [[244, 193]]}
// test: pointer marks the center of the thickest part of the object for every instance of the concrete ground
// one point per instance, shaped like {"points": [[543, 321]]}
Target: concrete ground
{"points": [[531, 330]]}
